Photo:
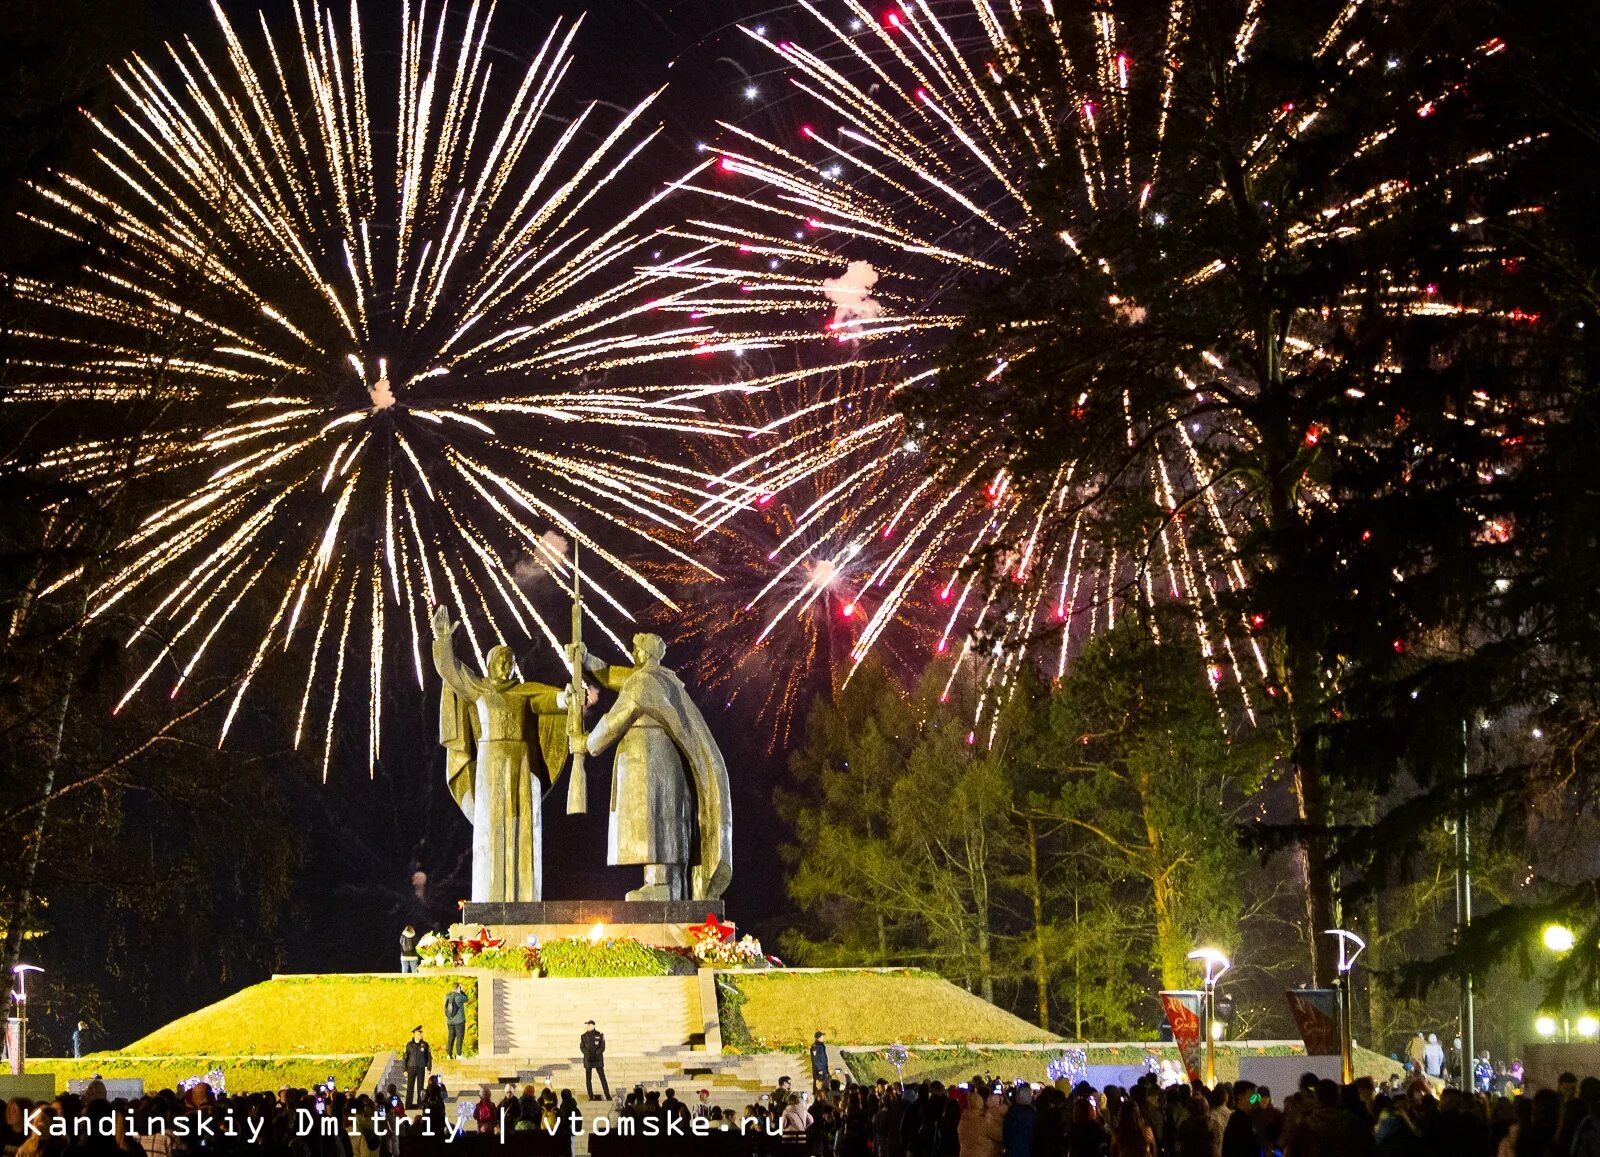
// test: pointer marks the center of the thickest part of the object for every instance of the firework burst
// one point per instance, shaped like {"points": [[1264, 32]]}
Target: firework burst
{"points": [[942, 162], [364, 367], [793, 526]]}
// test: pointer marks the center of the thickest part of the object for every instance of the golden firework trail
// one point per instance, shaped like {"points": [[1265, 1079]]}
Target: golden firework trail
{"points": [[361, 366], [910, 175], [796, 595]]}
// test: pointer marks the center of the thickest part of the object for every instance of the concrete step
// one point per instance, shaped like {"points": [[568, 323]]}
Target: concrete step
{"points": [[732, 1079], [643, 1015]]}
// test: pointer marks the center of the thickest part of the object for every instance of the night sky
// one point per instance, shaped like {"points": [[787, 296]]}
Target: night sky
{"points": [[299, 873], [366, 838]]}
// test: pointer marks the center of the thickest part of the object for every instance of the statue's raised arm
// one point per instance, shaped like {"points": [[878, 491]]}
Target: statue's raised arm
{"points": [[458, 723], [456, 677]]}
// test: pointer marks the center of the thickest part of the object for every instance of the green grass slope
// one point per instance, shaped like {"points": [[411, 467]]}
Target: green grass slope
{"points": [[782, 1009], [1372, 1064], [324, 1015], [239, 1074]]}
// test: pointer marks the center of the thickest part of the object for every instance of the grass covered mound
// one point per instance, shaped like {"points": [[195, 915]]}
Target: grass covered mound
{"points": [[240, 1074], [289, 1016], [782, 1009]]}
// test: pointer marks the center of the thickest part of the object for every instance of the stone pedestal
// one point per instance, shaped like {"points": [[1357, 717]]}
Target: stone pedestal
{"points": [[665, 923]]}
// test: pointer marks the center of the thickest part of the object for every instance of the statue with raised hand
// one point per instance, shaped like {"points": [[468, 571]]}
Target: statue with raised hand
{"points": [[487, 724], [678, 825]]}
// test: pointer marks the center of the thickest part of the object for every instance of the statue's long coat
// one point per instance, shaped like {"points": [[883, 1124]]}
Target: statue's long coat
{"points": [[651, 820]]}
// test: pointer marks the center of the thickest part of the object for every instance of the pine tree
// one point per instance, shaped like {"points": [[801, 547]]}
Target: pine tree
{"points": [[1286, 358]]}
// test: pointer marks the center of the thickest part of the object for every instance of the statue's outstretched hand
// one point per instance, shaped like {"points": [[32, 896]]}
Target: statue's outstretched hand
{"points": [[576, 654], [591, 695], [443, 628]]}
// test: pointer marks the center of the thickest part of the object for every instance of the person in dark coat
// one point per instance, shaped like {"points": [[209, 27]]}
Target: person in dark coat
{"points": [[1053, 1115], [408, 949], [565, 1111], [1194, 1132], [911, 1121], [418, 1063], [819, 1064], [949, 1142], [1331, 1130], [1016, 1128], [593, 1046], [455, 1021], [1086, 1131], [919, 1130], [886, 1125], [1239, 1136]]}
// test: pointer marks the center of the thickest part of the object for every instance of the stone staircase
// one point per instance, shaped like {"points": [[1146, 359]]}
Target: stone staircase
{"points": [[657, 1031], [638, 1015], [733, 1081]]}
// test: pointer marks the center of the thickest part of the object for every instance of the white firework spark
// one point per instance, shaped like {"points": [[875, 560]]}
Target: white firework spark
{"points": [[361, 367]]}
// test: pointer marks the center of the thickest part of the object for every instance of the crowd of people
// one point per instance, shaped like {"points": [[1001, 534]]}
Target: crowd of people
{"points": [[1426, 1056], [1320, 1118], [977, 1118]]}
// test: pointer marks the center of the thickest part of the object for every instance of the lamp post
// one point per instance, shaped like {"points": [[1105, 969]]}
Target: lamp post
{"points": [[1214, 964], [1347, 962], [17, 1023], [1559, 939], [1548, 1026]]}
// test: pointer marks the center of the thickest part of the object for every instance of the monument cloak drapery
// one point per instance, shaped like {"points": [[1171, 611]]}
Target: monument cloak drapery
{"points": [[491, 778], [458, 735], [653, 698]]}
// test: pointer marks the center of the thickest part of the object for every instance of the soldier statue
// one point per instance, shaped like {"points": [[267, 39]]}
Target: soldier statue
{"points": [[678, 826]]}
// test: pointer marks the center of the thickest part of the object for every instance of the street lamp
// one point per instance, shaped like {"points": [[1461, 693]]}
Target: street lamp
{"points": [[1559, 938], [1587, 1025], [17, 1024], [1347, 961], [1214, 964]]}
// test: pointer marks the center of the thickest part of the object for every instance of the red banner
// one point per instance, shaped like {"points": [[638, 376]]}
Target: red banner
{"points": [[1316, 1012], [1183, 1014]]}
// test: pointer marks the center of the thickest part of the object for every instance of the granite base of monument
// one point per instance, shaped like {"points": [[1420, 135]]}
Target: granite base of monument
{"points": [[662, 922]]}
